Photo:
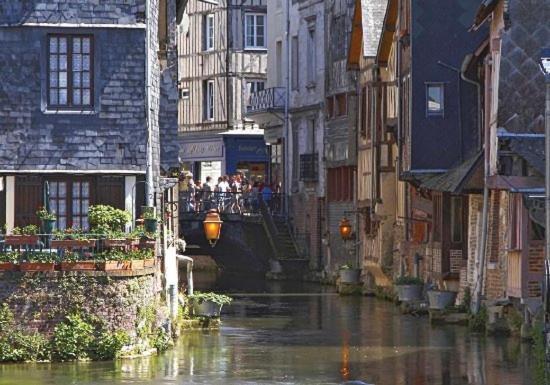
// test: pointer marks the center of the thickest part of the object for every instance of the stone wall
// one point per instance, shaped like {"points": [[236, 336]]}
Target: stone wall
{"points": [[39, 301]]}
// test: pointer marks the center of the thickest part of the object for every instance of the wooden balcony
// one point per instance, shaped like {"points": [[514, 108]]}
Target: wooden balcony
{"points": [[268, 100]]}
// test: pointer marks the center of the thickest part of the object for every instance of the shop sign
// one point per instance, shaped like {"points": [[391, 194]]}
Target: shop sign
{"points": [[202, 150]]}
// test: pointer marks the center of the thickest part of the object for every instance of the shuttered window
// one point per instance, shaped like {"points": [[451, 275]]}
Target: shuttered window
{"points": [[340, 184]]}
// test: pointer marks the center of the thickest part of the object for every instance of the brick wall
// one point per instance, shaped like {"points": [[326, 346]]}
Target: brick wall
{"points": [[497, 246]]}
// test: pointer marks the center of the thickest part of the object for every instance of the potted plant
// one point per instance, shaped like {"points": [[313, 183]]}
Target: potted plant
{"points": [[110, 222], [441, 299], [72, 239], [38, 261], [208, 304], [75, 262], [409, 288], [149, 219], [23, 236], [147, 256], [8, 260], [348, 274], [47, 219]]}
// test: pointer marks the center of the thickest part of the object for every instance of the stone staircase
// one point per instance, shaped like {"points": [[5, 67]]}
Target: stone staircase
{"points": [[285, 244]]}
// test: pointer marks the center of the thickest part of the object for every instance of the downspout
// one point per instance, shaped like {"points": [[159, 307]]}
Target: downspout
{"points": [[286, 117], [358, 114], [149, 188]]}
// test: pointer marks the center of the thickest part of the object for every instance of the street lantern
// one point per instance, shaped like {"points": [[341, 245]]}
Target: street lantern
{"points": [[212, 227], [345, 229]]}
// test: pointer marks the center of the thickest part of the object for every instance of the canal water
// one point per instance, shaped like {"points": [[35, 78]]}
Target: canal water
{"points": [[290, 333]]}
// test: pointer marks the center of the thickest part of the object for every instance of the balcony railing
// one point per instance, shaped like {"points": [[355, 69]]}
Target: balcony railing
{"points": [[268, 100], [309, 167]]}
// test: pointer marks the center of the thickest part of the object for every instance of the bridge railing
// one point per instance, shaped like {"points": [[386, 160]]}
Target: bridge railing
{"points": [[243, 203]]}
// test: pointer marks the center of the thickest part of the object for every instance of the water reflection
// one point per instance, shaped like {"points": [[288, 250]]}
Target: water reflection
{"points": [[294, 333]]}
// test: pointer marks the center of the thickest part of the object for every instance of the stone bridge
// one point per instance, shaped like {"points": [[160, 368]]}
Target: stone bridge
{"points": [[249, 242]]}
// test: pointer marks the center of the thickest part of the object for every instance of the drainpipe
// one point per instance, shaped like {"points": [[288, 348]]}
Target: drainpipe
{"points": [[149, 189], [286, 117], [482, 246]]}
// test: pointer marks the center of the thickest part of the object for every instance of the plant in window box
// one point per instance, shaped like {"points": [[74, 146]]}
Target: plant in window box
{"points": [[113, 260], [38, 261], [47, 219], [72, 239], [409, 288], [73, 261], [23, 236], [144, 258], [108, 221], [8, 260], [208, 304]]}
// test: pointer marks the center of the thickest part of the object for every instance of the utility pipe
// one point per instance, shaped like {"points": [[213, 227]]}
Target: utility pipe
{"points": [[149, 150], [286, 117]]}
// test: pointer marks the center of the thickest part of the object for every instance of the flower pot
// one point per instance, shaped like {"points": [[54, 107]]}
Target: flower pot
{"points": [[206, 309], [150, 225], [21, 240], [149, 262], [8, 266], [47, 225], [349, 275], [137, 264], [37, 266], [78, 266], [441, 299], [115, 265], [72, 243], [409, 292]]}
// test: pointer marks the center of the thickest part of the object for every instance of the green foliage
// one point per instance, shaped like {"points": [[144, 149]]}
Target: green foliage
{"points": [[72, 339], [106, 219], [6, 318], [40, 257], [16, 346], [9, 257], [107, 345], [347, 266], [219, 299], [161, 340], [73, 233], [478, 322], [540, 373], [403, 280], [27, 230], [45, 215]]}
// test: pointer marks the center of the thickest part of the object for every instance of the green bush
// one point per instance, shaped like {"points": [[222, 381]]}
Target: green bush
{"points": [[72, 339], [161, 340], [107, 345], [16, 347], [106, 219], [6, 318], [219, 299], [478, 322], [403, 280]]}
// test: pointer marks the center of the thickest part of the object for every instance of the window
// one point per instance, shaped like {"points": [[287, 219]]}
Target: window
{"points": [[330, 107], [295, 63], [70, 71], [208, 103], [312, 57], [70, 201], [254, 31], [515, 211], [434, 99], [184, 93], [436, 217], [279, 61], [364, 113], [340, 184], [208, 43], [456, 219], [341, 104], [254, 86]]}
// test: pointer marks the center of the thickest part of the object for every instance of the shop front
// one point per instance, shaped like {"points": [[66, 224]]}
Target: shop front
{"points": [[226, 154]]}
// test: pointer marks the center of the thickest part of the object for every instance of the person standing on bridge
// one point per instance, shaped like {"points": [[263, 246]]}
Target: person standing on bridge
{"points": [[207, 189]]}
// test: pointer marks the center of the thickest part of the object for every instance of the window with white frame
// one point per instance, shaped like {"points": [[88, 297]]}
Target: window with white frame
{"points": [[255, 30], [435, 99], [208, 104], [208, 43]]}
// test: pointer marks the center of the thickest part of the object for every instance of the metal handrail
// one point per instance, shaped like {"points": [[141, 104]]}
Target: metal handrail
{"points": [[243, 203]]}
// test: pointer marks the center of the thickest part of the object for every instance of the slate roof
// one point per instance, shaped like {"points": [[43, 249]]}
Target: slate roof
{"points": [[453, 180], [531, 149], [373, 12]]}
